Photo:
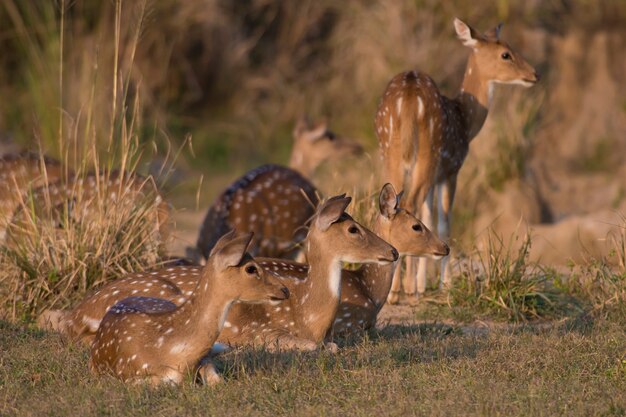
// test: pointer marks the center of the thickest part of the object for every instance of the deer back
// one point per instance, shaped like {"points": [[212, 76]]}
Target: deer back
{"points": [[272, 201]]}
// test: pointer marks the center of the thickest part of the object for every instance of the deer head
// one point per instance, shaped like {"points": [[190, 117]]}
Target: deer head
{"points": [[495, 59], [315, 144]]}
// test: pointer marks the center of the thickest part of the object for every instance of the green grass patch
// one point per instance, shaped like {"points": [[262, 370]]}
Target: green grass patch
{"points": [[428, 369]]}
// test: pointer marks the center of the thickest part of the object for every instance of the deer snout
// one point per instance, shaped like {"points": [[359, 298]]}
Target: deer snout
{"points": [[537, 76], [391, 257], [446, 249], [285, 291]]}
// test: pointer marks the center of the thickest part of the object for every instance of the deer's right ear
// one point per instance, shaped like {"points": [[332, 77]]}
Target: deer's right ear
{"points": [[466, 33], [230, 250], [388, 201], [302, 125], [330, 211]]}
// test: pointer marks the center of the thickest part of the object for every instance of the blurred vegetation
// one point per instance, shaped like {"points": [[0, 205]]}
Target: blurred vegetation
{"points": [[236, 74]]}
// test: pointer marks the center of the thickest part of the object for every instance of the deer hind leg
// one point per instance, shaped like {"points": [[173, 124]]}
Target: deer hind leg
{"points": [[419, 279], [445, 199], [290, 342]]}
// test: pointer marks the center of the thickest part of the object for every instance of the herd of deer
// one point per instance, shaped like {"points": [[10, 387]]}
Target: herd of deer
{"points": [[158, 325]]}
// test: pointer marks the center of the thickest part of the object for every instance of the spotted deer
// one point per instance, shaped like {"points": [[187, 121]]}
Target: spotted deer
{"points": [[273, 201], [146, 339], [365, 290], [424, 136], [299, 323], [20, 172], [83, 198], [303, 321]]}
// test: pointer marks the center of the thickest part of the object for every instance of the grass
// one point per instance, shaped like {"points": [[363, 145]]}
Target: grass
{"points": [[52, 257], [576, 368], [503, 284]]}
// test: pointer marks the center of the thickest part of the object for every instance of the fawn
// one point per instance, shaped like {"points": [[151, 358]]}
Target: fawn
{"points": [[273, 201], [152, 340], [424, 136]]}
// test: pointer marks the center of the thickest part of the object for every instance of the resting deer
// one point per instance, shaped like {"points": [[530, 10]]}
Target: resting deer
{"points": [[304, 320], [152, 340], [85, 198], [20, 172], [334, 237], [424, 136], [364, 291], [273, 201]]}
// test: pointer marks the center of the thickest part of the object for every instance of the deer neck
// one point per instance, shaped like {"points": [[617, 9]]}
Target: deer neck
{"points": [[377, 278], [319, 295], [197, 322], [474, 98], [301, 162]]}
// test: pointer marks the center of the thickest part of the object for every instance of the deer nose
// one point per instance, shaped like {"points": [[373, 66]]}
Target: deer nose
{"points": [[537, 76], [285, 291], [394, 254], [446, 249]]}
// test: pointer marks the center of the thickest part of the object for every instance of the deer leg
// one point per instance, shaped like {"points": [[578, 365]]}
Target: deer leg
{"points": [[289, 342], [419, 279], [393, 296], [207, 374], [445, 199]]}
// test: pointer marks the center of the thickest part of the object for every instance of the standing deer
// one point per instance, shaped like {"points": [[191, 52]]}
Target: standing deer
{"points": [[424, 136], [20, 172], [152, 340], [273, 201]]}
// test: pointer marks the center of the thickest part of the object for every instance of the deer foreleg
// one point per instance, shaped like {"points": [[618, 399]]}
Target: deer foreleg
{"points": [[445, 197]]}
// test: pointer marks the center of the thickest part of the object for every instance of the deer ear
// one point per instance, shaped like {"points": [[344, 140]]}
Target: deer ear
{"points": [[315, 133], [493, 33], [302, 125], [230, 250], [331, 210], [466, 33], [388, 201]]}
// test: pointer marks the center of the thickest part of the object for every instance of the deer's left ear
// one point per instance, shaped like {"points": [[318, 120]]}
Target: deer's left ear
{"points": [[466, 33], [493, 33]]}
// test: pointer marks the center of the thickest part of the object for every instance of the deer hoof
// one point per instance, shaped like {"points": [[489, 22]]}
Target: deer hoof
{"points": [[393, 297], [331, 347], [209, 376]]}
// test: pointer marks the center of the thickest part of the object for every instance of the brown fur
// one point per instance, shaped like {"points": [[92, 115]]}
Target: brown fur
{"points": [[424, 136], [156, 341]]}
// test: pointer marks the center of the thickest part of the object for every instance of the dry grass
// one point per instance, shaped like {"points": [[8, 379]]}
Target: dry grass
{"points": [[103, 221]]}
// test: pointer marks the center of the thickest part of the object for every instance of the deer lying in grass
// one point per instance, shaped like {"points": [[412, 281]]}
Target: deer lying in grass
{"points": [[152, 340], [334, 237], [273, 201], [84, 198], [20, 172], [364, 291], [304, 320], [424, 136]]}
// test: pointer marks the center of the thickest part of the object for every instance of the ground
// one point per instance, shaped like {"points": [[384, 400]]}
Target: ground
{"points": [[575, 366]]}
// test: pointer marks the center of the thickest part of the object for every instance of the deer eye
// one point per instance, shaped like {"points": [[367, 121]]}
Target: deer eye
{"points": [[418, 227], [251, 269], [506, 56], [353, 229]]}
